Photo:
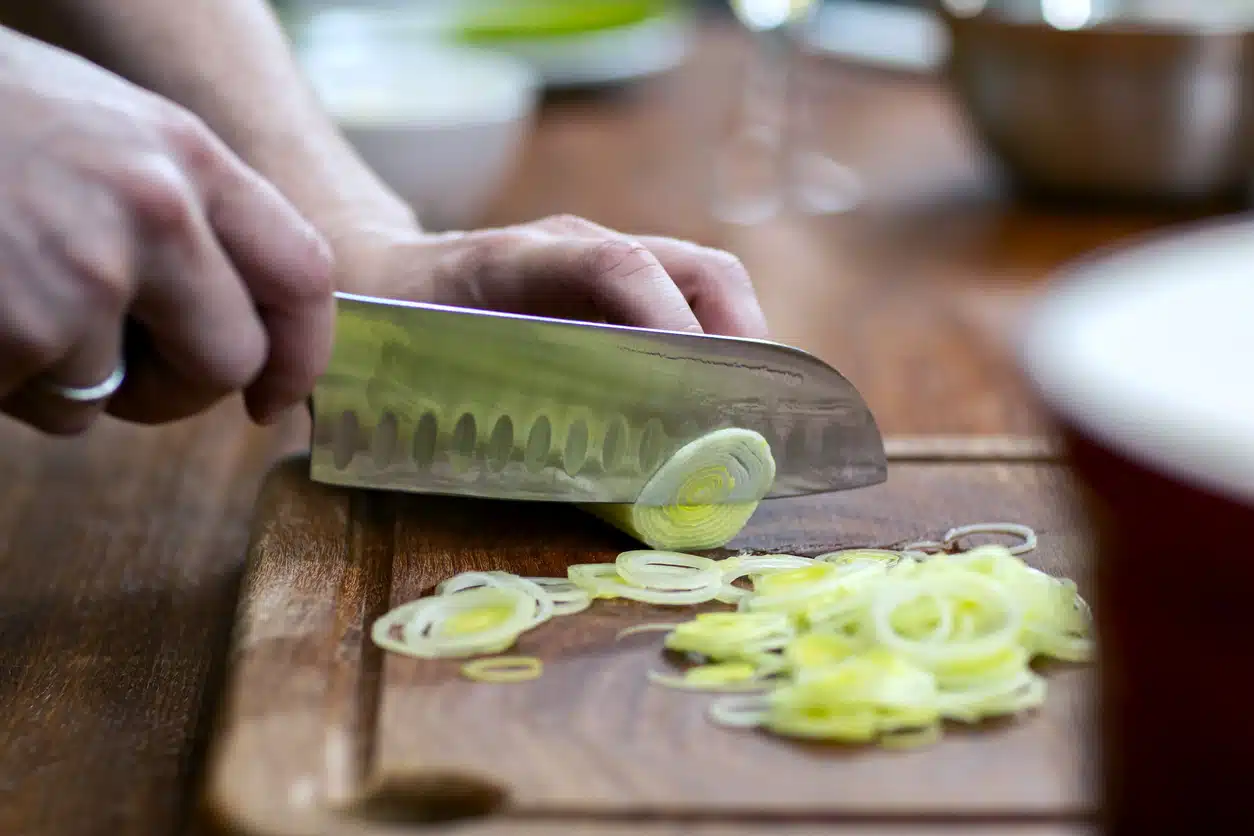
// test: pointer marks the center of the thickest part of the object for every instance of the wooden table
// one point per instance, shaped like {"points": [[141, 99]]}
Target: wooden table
{"points": [[122, 550]]}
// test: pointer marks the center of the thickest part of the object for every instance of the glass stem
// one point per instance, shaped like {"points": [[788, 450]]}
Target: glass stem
{"points": [[817, 183], [748, 174]]}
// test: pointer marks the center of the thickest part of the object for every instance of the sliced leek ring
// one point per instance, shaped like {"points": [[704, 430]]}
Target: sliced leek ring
{"points": [[860, 557], [501, 669], [668, 571], [602, 580], [740, 712], [735, 568], [483, 620], [723, 677], [504, 580], [854, 646], [725, 636], [954, 535], [702, 496], [995, 617]]}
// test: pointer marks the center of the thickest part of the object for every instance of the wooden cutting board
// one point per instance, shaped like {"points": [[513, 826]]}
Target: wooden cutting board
{"points": [[320, 732]]}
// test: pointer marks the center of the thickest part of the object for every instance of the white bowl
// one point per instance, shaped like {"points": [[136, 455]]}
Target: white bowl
{"points": [[1148, 350], [442, 125]]}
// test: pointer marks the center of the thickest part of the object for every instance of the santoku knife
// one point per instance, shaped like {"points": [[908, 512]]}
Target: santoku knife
{"points": [[433, 399]]}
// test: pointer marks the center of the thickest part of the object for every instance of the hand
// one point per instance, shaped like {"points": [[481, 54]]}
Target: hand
{"points": [[564, 267], [117, 205]]}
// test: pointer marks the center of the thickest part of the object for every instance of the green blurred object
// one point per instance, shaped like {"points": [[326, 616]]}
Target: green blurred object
{"points": [[570, 43], [580, 43], [492, 20]]}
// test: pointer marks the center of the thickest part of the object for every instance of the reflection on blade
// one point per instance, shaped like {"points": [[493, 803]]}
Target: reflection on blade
{"points": [[445, 400]]}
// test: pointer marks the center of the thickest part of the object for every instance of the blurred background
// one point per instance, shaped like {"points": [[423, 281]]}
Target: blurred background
{"points": [[881, 164], [441, 96]]}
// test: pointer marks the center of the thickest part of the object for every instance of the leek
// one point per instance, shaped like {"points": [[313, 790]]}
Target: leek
{"points": [[702, 496]]}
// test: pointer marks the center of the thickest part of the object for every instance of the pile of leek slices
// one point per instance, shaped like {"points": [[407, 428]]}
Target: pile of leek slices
{"points": [[856, 646]]}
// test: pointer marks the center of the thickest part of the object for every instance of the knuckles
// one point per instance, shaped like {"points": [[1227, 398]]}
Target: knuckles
{"points": [[571, 224], [618, 258], [157, 193], [481, 255], [106, 269], [110, 285], [720, 267], [187, 136], [317, 279], [154, 178]]}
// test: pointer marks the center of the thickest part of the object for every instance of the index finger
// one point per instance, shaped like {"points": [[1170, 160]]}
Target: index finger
{"points": [[620, 277], [716, 285]]}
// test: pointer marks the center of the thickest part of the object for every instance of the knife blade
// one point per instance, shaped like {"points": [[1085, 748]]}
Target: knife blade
{"points": [[428, 398]]}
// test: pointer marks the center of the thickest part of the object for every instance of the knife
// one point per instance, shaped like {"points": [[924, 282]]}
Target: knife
{"points": [[435, 399]]}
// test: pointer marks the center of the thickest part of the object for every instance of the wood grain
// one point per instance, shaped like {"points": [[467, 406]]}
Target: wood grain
{"points": [[121, 563], [316, 715]]}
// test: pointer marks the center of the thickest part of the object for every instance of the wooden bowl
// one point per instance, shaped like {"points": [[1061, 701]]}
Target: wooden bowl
{"points": [[1145, 358]]}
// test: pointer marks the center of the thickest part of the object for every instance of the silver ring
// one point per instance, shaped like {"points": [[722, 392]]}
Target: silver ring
{"points": [[91, 394]]}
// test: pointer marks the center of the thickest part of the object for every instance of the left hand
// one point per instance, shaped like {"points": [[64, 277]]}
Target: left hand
{"points": [[560, 266]]}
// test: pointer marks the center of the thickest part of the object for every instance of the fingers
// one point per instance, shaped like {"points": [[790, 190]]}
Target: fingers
{"points": [[231, 286], [207, 339], [121, 206], [156, 390], [568, 266], [89, 363], [283, 262], [617, 277], [287, 268], [65, 281], [716, 285]]}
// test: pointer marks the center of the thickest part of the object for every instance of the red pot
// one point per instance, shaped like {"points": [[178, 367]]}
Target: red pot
{"points": [[1145, 358]]}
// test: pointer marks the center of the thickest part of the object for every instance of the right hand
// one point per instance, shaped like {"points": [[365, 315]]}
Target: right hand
{"points": [[116, 205]]}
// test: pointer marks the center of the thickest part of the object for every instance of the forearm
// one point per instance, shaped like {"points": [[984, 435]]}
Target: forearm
{"points": [[228, 62]]}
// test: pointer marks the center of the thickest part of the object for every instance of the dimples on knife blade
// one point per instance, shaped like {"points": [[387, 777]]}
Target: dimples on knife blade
{"points": [[427, 399]]}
